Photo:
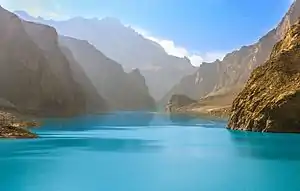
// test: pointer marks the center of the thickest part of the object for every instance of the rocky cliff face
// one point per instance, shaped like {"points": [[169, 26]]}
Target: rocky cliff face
{"points": [[120, 90], [229, 75], [127, 47], [270, 101], [34, 74]]}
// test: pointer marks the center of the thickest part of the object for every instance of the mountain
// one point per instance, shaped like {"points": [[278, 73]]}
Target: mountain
{"points": [[35, 76], [226, 78], [127, 47], [270, 101], [94, 102], [120, 90]]}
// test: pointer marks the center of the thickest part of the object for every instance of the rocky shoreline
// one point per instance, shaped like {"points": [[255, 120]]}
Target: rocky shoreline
{"points": [[181, 104], [13, 127]]}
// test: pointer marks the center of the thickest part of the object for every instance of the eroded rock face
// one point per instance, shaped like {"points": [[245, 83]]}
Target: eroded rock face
{"points": [[270, 101]]}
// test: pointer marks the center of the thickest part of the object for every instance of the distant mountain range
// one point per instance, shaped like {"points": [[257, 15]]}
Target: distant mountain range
{"points": [[44, 74], [121, 90], [127, 47], [226, 78]]}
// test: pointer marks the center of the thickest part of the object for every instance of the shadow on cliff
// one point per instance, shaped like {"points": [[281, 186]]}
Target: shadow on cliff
{"points": [[266, 146]]}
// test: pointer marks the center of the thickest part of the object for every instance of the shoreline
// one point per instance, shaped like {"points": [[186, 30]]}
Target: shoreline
{"points": [[13, 126], [215, 112]]}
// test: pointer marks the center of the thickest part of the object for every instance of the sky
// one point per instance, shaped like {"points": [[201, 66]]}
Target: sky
{"points": [[203, 30]]}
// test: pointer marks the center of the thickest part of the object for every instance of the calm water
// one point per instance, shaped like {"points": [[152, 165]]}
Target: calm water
{"points": [[148, 152]]}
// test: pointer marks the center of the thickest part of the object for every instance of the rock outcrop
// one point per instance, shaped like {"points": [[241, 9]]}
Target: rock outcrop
{"points": [[35, 76], [230, 75], [12, 127], [270, 101], [120, 90]]}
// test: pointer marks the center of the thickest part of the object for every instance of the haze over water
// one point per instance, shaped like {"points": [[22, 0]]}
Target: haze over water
{"points": [[149, 152]]}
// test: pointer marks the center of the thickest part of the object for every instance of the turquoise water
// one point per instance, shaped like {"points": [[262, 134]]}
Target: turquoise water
{"points": [[148, 152]]}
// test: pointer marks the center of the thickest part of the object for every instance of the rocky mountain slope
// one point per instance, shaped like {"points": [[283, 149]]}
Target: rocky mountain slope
{"points": [[270, 101], [227, 77], [120, 90], [127, 47], [35, 77]]}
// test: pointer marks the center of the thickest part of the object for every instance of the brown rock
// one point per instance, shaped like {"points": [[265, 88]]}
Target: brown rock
{"points": [[12, 127], [270, 101]]}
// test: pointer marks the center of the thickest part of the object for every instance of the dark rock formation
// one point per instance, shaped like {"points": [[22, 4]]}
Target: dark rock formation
{"points": [[270, 101], [12, 127], [127, 47], [121, 90], [35, 76]]}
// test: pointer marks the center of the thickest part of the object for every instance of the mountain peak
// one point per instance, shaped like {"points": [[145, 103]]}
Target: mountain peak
{"points": [[24, 15], [111, 20]]}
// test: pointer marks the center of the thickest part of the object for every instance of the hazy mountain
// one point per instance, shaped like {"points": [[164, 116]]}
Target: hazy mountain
{"points": [[228, 77], [94, 102], [34, 74], [126, 47], [121, 91], [270, 101]]}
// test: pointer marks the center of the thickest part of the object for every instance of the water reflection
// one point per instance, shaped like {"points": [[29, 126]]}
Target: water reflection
{"points": [[266, 146], [109, 121], [193, 120], [46, 146]]}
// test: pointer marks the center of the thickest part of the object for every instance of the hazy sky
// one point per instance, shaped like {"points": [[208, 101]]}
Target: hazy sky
{"points": [[199, 29]]}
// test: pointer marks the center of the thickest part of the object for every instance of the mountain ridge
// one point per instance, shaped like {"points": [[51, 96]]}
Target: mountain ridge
{"points": [[28, 79], [266, 105], [127, 47], [121, 90], [234, 70]]}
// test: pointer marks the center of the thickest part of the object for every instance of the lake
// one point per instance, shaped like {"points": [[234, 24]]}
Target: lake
{"points": [[130, 151]]}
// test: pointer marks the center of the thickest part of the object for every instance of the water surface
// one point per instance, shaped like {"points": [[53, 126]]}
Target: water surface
{"points": [[148, 152]]}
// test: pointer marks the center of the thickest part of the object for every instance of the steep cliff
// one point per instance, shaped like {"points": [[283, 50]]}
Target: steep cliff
{"points": [[270, 101], [120, 90], [34, 75], [230, 75]]}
